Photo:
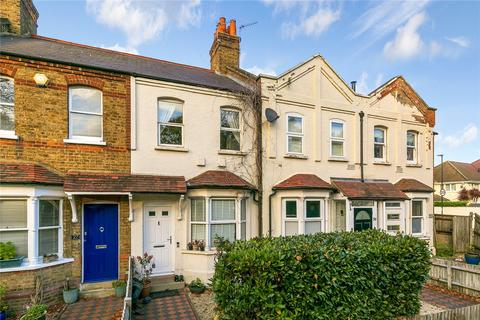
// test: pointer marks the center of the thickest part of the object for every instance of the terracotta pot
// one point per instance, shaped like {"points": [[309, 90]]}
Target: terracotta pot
{"points": [[147, 288]]}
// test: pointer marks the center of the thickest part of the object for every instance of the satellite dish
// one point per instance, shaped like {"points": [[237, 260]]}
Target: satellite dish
{"points": [[271, 115]]}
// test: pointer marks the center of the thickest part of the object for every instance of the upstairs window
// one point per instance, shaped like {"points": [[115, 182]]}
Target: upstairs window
{"points": [[7, 124], [412, 138], [229, 129], [337, 138], [294, 134], [379, 144], [170, 122], [85, 114]]}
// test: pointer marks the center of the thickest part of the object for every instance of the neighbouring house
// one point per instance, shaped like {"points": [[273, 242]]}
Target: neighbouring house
{"points": [[456, 176]]}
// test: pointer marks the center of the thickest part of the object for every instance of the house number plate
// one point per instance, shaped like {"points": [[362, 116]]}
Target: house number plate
{"points": [[101, 246]]}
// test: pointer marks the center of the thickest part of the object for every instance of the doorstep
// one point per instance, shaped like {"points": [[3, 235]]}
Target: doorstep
{"points": [[96, 289]]}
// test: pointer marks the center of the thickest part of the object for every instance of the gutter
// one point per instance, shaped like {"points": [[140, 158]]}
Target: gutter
{"points": [[361, 114], [270, 212]]}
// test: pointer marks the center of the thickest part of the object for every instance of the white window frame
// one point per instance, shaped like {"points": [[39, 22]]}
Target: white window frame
{"points": [[295, 134], [337, 139], [382, 144], [414, 147], [239, 130], [58, 227], [9, 133], [212, 222], [422, 217], [204, 223], [70, 111], [171, 124], [290, 219], [320, 219]]}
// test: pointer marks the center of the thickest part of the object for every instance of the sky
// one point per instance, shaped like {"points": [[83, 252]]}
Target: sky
{"points": [[435, 45]]}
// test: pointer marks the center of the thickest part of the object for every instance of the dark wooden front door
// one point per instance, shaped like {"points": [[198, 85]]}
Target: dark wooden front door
{"points": [[362, 219]]}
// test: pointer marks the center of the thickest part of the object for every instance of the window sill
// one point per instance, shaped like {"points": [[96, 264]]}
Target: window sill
{"points": [[295, 156], [339, 159], [38, 266], [232, 152], [75, 141], [382, 163], [169, 148], [199, 253], [10, 136], [413, 165]]}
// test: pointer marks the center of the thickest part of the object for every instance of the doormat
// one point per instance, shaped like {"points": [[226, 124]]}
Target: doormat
{"points": [[163, 294]]}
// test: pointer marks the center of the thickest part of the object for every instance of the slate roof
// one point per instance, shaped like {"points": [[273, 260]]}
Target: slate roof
{"points": [[37, 47], [76, 181], [219, 179], [28, 173], [369, 190], [302, 181], [412, 185], [454, 171]]}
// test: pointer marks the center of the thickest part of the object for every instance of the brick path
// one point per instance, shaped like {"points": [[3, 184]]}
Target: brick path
{"points": [[445, 300], [168, 308], [93, 309]]}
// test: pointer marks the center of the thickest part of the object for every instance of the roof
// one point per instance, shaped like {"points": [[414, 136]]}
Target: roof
{"points": [[476, 163], [48, 49], [412, 185], [302, 181], [219, 179], [369, 190], [111, 182], [28, 173], [454, 171]]}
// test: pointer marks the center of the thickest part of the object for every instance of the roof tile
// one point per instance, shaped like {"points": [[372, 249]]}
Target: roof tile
{"points": [[28, 173], [412, 185], [369, 190], [302, 181], [219, 179]]}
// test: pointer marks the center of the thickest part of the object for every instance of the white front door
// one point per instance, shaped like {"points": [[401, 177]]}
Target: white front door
{"points": [[159, 238]]}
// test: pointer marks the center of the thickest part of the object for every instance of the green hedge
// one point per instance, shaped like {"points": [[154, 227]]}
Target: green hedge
{"points": [[450, 203], [349, 275]]}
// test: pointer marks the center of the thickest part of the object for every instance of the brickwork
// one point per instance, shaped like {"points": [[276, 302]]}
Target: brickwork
{"points": [[225, 53], [21, 14]]}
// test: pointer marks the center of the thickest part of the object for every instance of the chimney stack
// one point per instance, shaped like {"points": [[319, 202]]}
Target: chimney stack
{"points": [[225, 50], [18, 17]]}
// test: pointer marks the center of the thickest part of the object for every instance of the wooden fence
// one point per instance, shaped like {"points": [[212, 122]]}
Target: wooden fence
{"points": [[476, 230], [459, 276], [454, 231], [465, 313]]}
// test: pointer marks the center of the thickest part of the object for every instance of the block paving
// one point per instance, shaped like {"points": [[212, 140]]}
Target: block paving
{"points": [[448, 300]]}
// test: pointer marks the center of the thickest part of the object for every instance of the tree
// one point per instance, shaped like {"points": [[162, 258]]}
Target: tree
{"points": [[463, 195], [474, 194]]}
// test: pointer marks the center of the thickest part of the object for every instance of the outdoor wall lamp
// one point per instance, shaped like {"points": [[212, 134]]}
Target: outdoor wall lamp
{"points": [[41, 80]]}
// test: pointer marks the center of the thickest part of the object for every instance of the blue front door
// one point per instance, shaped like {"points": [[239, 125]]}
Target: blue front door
{"points": [[100, 242]]}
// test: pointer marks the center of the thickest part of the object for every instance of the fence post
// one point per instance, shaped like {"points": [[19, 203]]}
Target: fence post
{"points": [[471, 227], [449, 274]]}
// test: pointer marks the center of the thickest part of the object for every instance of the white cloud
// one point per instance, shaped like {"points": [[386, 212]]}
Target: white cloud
{"points": [[259, 70], [464, 136], [379, 81], [362, 86], [120, 48], [435, 48], [407, 43], [141, 21], [460, 41]]}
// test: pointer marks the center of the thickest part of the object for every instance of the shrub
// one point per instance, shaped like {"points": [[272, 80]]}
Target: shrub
{"points": [[444, 250], [349, 275], [34, 312], [450, 203], [7, 251]]}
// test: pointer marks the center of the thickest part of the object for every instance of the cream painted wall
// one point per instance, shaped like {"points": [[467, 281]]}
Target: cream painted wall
{"points": [[452, 195]]}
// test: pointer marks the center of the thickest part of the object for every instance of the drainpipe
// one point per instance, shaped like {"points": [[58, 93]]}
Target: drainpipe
{"points": [[361, 114], [270, 212]]}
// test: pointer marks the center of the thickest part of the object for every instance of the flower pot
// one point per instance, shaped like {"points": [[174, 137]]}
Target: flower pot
{"points": [[472, 258], [147, 288], [12, 263], [3, 315], [70, 296], [120, 291], [197, 290]]}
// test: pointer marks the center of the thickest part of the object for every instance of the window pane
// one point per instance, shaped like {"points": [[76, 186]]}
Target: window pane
{"points": [[13, 214], [416, 225], [49, 213], [7, 117], [378, 151], [230, 119], [411, 139], [337, 148], [19, 240], [337, 130], [86, 100], [394, 227], [243, 209], [410, 154], [393, 216], [417, 208], [225, 231], [295, 144], [229, 140], [170, 112], [223, 210], [198, 232], [6, 90], [291, 228], [392, 204], [312, 227], [243, 230], [198, 210], [86, 125], [294, 124], [47, 241], [313, 209], [170, 135], [379, 135], [291, 209]]}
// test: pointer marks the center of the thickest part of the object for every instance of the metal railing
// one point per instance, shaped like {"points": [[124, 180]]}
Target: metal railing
{"points": [[127, 302]]}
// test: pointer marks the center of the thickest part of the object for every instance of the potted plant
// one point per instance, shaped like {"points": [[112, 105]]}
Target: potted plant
{"points": [[201, 245], [120, 287], [190, 246], [472, 256], [50, 258], [70, 294], [8, 256], [195, 245], [35, 312], [197, 286], [3, 304], [144, 273]]}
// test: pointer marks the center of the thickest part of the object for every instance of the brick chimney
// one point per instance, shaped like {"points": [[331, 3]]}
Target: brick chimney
{"points": [[18, 17], [225, 50]]}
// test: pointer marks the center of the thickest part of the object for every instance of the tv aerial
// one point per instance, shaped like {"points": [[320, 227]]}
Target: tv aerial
{"points": [[247, 25]]}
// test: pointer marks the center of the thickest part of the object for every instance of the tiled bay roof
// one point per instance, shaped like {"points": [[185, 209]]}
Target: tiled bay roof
{"points": [[412, 185], [28, 173], [369, 190], [302, 181], [218, 179]]}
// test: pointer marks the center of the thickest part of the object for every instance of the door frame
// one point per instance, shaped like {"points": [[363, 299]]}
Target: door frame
{"points": [[174, 242], [83, 233]]}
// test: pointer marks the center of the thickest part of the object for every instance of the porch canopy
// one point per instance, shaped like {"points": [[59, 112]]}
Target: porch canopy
{"points": [[219, 179], [303, 181], [369, 190]]}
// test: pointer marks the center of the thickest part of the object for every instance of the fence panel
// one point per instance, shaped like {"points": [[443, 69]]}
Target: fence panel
{"points": [[476, 231], [459, 276], [455, 231]]}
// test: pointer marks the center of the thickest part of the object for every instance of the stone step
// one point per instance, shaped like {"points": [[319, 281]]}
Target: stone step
{"points": [[156, 287], [163, 279], [96, 289]]}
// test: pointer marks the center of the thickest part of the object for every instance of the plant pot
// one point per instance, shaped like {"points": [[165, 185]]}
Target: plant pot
{"points": [[197, 290], [195, 247], [12, 263], [3, 315], [472, 258], [120, 291], [147, 288], [70, 296]]}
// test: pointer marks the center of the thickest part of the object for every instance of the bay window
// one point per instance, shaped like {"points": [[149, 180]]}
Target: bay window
{"points": [[379, 143], [13, 225], [309, 221], [291, 217], [198, 220], [85, 114], [313, 216], [337, 138], [49, 226], [229, 129], [412, 138], [7, 123], [295, 133], [417, 217], [170, 122]]}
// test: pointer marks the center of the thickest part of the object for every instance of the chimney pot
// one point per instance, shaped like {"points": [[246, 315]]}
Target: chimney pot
{"points": [[232, 28], [222, 25]]}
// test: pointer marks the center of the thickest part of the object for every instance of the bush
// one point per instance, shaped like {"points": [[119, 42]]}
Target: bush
{"points": [[444, 250], [349, 275], [7, 251], [450, 203]]}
